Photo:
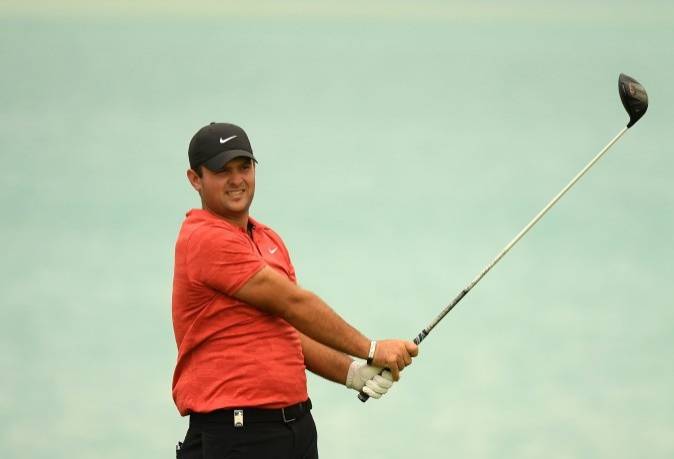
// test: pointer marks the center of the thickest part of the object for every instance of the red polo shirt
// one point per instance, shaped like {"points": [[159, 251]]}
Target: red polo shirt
{"points": [[230, 354]]}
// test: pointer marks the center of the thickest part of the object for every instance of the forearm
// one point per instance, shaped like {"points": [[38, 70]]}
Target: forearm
{"points": [[272, 292], [324, 361], [315, 319]]}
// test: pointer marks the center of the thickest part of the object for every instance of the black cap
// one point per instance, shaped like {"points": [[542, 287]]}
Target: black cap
{"points": [[216, 144]]}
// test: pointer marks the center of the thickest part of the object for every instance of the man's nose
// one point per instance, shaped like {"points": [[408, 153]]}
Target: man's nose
{"points": [[236, 178]]}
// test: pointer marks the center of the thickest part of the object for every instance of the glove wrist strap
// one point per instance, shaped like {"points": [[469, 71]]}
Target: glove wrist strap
{"points": [[350, 375]]}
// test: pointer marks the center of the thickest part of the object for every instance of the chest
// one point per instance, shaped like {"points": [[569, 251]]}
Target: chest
{"points": [[271, 251]]}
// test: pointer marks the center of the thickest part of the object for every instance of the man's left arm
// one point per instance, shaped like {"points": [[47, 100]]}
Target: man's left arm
{"points": [[324, 361], [342, 369]]}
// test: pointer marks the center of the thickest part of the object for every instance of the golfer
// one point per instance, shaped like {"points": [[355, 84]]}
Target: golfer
{"points": [[246, 332]]}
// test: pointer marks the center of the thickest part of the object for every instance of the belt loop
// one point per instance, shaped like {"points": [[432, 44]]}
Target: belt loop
{"points": [[286, 420]]}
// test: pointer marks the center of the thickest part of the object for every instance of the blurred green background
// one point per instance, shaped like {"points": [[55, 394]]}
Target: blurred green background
{"points": [[401, 146]]}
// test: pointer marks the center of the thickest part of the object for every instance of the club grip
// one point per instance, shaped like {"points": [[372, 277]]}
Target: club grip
{"points": [[362, 396]]}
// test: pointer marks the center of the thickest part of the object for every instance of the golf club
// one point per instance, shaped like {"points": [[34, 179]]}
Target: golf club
{"points": [[635, 100]]}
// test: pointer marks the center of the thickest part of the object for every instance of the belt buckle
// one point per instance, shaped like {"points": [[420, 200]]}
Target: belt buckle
{"points": [[286, 420]]}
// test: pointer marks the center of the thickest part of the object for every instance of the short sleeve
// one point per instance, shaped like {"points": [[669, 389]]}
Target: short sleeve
{"points": [[222, 260]]}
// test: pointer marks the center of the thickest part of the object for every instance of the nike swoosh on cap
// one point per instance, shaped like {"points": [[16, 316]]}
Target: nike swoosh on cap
{"points": [[227, 139]]}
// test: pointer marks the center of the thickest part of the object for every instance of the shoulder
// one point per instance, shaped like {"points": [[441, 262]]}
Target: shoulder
{"points": [[276, 241], [268, 231], [211, 232]]}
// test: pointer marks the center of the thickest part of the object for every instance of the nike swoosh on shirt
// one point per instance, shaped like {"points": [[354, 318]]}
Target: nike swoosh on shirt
{"points": [[273, 251], [227, 139]]}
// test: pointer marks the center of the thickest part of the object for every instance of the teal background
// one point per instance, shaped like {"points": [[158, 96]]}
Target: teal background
{"points": [[401, 146]]}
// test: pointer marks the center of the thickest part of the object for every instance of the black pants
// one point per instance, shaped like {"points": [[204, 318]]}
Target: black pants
{"points": [[265, 440]]}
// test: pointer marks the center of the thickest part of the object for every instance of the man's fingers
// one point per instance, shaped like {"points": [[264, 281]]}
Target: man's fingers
{"points": [[386, 374], [395, 355], [376, 387], [371, 393], [383, 382], [395, 373], [412, 348]]}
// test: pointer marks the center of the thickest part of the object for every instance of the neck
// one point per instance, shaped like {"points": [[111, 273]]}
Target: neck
{"points": [[240, 220]]}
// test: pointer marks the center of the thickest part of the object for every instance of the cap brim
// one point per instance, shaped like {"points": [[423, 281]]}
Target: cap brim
{"points": [[218, 161]]}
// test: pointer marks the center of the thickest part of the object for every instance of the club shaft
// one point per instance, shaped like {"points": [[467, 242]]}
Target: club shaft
{"points": [[421, 336], [424, 333]]}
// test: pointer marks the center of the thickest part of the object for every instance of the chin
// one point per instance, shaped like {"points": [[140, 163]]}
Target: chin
{"points": [[237, 208]]}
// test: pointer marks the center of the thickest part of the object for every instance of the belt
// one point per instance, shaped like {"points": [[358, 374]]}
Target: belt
{"points": [[252, 415]]}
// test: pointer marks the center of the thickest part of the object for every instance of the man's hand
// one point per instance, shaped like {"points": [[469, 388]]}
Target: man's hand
{"points": [[394, 354], [366, 378]]}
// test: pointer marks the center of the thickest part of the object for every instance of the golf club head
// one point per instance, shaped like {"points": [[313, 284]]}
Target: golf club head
{"points": [[633, 97]]}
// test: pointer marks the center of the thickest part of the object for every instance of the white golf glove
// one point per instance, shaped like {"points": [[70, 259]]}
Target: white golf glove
{"points": [[366, 378]]}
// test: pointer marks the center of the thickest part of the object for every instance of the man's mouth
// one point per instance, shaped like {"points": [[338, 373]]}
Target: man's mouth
{"points": [[236, 193]]}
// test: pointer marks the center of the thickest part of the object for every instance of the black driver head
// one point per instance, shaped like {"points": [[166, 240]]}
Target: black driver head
{"points": [[634, 98]]}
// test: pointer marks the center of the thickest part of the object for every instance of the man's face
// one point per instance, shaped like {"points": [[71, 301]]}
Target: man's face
{"points": [[228, 192]]}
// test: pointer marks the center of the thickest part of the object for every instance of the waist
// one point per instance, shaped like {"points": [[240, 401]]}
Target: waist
{"points": [[238, 417]]}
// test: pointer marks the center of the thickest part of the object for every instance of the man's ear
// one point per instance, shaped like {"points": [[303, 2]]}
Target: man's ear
{"points": [[194, 179]]}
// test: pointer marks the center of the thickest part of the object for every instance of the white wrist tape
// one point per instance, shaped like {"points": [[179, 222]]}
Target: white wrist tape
{"points": [[370, 355]]}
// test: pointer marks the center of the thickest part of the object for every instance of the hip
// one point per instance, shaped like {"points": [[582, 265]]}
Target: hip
{"points": [[288, 433]]}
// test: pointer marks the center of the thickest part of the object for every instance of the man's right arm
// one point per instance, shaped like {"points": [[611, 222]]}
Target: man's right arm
{"points": [[275, 294]]}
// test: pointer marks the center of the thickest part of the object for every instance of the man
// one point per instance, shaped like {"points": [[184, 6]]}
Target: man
{"points": [[245, 330]]}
